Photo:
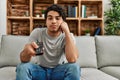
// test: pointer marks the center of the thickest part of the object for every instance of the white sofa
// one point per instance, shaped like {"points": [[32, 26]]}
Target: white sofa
{"points": [[99, 56]]}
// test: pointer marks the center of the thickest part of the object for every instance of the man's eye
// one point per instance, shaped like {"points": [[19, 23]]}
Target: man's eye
{"points": [[57, 18]]}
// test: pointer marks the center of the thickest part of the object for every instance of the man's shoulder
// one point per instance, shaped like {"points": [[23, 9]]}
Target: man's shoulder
{"points": [[63, 34], [39, 29]]}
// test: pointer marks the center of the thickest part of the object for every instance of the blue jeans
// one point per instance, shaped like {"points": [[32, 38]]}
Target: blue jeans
{"points": [[29, 71]]}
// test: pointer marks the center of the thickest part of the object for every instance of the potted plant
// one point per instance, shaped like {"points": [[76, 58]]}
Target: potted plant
{"points": [[43, 12], [37, 15], [113, 18], [87, 32]]}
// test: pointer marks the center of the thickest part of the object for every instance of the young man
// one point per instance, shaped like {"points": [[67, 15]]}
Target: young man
{"points": [[58, 45]]}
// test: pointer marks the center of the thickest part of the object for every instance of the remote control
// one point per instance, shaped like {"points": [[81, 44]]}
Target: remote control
{"points": [[40, 49]]}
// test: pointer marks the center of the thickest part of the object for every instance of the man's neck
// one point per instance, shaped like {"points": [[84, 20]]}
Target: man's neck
{"points": [[53, 34]]}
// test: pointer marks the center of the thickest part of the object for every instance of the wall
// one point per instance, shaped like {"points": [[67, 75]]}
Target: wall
{"points": [[3, 14], [106, 4]]}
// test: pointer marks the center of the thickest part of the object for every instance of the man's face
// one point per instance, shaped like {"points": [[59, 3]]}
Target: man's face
{"points": [[53, 21]]}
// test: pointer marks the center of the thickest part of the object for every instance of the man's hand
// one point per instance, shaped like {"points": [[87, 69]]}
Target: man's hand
{"points": [[64, 27], [28, 52]]}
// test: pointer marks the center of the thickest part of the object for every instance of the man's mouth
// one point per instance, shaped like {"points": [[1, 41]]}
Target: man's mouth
{"points": [[53, 26]]}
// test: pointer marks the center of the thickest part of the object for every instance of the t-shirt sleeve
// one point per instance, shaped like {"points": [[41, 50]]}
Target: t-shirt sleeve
{"points": [[34, 35], [73, 38]]}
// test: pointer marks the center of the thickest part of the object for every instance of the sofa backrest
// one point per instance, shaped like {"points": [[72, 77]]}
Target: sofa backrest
{"points": [[0, 41], [11, 46], [108, 50], [87, 51]]}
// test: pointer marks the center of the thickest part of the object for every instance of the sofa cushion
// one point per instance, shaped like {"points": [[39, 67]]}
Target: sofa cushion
{"points": [[108, 50], [8, 73], [87, 51], [95, 74], [112, 70], [10, 49]]}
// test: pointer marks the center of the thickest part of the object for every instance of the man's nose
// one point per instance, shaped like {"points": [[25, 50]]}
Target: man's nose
{"points": [[54, 20]]}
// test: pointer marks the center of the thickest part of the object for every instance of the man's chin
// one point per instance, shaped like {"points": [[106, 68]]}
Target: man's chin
{"points": [[55, 31]]}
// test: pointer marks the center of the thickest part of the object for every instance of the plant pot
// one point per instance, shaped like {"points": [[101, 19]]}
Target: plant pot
{"points": [[87, 34], [37, 15], [43, 15]]}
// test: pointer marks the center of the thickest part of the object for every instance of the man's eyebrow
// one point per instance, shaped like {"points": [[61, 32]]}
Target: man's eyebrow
{"points": [[52, 16]]}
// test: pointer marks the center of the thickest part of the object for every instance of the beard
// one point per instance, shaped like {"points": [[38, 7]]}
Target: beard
{"points": [[55, 30]]}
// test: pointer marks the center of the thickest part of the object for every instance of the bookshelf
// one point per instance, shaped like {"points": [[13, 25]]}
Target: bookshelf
{"points": [[25, 15], [91, 16]]}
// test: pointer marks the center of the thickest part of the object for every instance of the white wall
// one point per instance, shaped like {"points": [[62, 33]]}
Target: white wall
{"points": [[106, 4], [3, 14]]}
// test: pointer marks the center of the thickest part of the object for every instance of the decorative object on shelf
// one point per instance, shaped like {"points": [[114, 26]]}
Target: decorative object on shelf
{"points": [[113, 18], [37, 15], [97, 31], [87, 32], [43, 13], [92, 16], [26, 13]]}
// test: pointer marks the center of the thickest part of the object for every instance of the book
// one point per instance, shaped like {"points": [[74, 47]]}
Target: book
{"points": [[69, 10], [97, 31], [74, 11], [83, 11]]}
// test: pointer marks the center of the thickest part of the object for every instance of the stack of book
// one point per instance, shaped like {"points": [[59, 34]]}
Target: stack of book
{"points": [[20, 1], [20, 10], [20, 28], [72, 11]]}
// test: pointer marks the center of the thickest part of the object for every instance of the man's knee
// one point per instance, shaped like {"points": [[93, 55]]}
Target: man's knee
{"points": [[23, 66], [74, 66]]}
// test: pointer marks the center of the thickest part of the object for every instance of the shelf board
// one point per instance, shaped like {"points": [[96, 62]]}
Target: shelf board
{"points": [[38, 18], [14, 17], [68, 18], [44, 1], [91, 2], [68, 1], [72, 18], [91, 19]]}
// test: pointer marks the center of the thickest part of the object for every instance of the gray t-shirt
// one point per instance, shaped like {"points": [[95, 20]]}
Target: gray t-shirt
{"points": [[54, 48]]}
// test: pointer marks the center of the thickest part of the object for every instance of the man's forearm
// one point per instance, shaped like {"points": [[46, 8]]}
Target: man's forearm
{"points": [[70, 49]]}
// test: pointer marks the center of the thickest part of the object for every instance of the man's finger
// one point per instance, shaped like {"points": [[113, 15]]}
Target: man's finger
{"points": [[34, 45]]}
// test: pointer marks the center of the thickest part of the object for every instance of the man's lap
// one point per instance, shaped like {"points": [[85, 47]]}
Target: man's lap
{"points": [[42, 73]]}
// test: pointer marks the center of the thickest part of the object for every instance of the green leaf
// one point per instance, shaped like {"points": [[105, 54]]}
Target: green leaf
{"points": [[113, 18]]}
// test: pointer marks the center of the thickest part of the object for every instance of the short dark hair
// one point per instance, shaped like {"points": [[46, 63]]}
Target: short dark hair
{"points": [[57, 8]]}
